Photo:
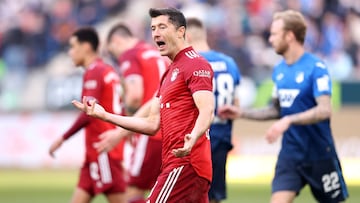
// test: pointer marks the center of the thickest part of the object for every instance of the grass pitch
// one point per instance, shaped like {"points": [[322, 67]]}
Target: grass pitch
{"points": [[56, 186]]}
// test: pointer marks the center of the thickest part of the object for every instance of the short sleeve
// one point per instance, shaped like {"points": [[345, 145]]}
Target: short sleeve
{"points": [[199, 77], [130, 66], [321, 80]]}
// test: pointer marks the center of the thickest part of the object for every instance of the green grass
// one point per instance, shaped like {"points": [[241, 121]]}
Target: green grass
{"points": [[53, 186]]}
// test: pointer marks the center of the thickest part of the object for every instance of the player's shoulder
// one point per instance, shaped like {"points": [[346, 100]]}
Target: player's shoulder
{"points": [[313, 61], [192, 57], [101, 68]]}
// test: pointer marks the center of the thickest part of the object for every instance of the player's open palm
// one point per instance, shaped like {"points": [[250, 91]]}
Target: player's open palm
{"points": [[189, 142], [90, 107], [277, 129], [108, 140]]}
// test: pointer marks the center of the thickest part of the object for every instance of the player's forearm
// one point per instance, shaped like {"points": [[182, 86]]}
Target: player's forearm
{"points": [[80, 122], [136, 124], [311, 116], [141, 112], [203, 122], [267, 113]]}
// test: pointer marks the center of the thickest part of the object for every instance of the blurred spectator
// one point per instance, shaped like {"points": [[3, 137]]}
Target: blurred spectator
{"points": [[62, 24], [88, 12], [34, 31]]}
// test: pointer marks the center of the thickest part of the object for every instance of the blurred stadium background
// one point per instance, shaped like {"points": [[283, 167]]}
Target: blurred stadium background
{"points": [[38, 81]]}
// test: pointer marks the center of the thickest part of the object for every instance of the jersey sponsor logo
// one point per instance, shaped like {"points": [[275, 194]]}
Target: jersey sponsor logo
{"points": [[320, 65], [174, 74], [287, 96], [192, 54], [323, 83], [218, 66], [90, 84], [299, 77], [280, 76], [202, 73]]}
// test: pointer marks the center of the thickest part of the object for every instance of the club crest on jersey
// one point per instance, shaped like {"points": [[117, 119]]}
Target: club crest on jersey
{"points": [[299, 77], [174, 74], [279, 76]]}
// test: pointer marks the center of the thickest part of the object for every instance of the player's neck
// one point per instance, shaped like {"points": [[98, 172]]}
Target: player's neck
{"points": [[89, 60], [293, 54], [179, 47]]}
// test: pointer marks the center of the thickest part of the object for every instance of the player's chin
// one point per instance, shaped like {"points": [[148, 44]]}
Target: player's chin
{"points": [[163, 52]]}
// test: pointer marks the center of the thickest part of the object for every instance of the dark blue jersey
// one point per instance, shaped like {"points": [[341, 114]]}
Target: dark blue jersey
{"points": [[225, 84], [297, 86]]}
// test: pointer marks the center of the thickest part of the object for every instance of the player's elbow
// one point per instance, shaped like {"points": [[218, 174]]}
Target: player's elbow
{"points": [[210, 113], [153, 130], [325, 112], [154, 126]]}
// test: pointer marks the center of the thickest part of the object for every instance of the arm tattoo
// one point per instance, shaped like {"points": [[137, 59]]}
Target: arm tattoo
{"points": [[267, 113], [316, 114]]}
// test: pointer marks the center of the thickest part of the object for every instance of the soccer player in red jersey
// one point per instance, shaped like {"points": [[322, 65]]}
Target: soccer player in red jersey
{"points": [[101, 172], [183, 110], [141, 67]]}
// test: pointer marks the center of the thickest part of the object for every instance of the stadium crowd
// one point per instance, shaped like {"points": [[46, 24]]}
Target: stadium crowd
{"points": [[33, 32]]}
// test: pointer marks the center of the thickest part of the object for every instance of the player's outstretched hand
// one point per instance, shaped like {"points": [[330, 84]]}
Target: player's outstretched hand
{"points": [[108, 140], [229, 112], [55, 145], [90, 107], [277, 129], [189, 142]]}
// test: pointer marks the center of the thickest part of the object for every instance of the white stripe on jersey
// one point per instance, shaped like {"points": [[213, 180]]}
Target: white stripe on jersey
{"points": [[104, 166], [139, 154], [169, 185]]}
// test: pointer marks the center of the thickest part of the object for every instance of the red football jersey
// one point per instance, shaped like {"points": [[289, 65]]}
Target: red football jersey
{"points": [[101, 82], [188, 73], [145, 61]]}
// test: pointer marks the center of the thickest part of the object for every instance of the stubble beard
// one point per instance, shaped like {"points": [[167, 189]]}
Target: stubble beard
{"points": [[282, 48]]}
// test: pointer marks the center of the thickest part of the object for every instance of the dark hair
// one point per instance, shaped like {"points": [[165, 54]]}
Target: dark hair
{"points": [[89, 35], [176, 17], [194, 22], [119, 29]]}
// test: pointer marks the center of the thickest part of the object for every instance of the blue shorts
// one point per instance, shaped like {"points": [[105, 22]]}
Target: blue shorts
{"points": [[218, 185], [324, 178]]}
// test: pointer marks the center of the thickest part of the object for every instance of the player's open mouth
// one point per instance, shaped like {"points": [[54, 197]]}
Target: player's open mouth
{"points": [[160, 44]]}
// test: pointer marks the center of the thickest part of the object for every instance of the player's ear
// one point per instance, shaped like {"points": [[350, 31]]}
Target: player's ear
{"points": [[290, 36], [87, 47], [181, 32]]}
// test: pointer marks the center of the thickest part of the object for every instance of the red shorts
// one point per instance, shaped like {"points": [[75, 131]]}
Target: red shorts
{"points": [[104, 176], [180, 185], [142, 161]]}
